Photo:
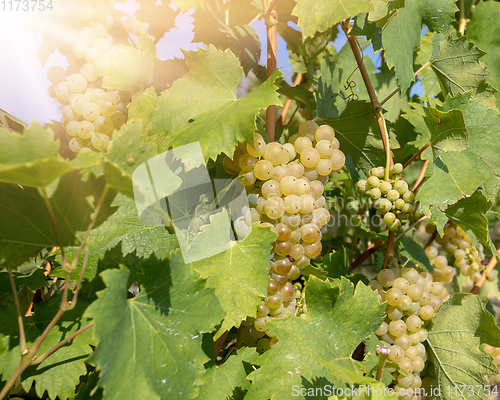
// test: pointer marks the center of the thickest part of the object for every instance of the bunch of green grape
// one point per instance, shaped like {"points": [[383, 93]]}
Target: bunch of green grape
{"points": [[392, 197], [442, 271], [412, 299], [90, 113], [285, 185], [467, 258], [495, 353]]}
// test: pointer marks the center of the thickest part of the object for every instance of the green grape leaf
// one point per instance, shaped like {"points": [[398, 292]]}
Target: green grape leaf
{"points": [[31, 159], [26, 224], [157, 331], [246, 271], [447, 130], [202, 105], [186, 5], [353, 130], [141, 107], [226, 27], [383, 10], [132, 68], [401, 35], [484, 31], [128, 152], [336, 263], [125, 230], [429, 80], [318, 15], [460, 327], [339, 81], [223, 379], [58, 374], [414, 252], [482, 121], [34, 280], [339, 318], [459, 174], [384, 83], [86, 388], [457, 66], [454, 175]]}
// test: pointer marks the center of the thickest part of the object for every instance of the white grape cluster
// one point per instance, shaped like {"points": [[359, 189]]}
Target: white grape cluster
{"points": [[90, 113], [412, 301], [442, 271], [392, 198], [285, 185], [467, 258], [495, 353]]}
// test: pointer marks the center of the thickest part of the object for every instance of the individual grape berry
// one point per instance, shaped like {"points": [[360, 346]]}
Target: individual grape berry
{"points": [[324, 132], [301, 144], [308, 129], [309, 157], [263, 170], [274, 153], [337, 159]]}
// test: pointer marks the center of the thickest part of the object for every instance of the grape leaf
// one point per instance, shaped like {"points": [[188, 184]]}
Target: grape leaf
{"points": [[458, 174], [246, 272], [447, 130], [202, 105], [132, 68], [322, 345], [414, 252], [223, 379], [26, 224], [457, 67], [353, 130], [339, 81], [123, 228], [401, 35], [484, 31], [319, 15], [157, 331], [127, 153], [460, 327], [226, 27], [58, 374], [141, 107], [31, 159], [34, 280], [429, 79]]}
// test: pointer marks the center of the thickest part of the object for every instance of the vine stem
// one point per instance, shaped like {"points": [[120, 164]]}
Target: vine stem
{"points": [[410, 228], [491, 265], [463, 21], [420, 177], [54, 225], [416, 155], [271, 19], [89, 228], [398, 89], [368, 252], [383, 353], [38, 360], [389, 250], [377, 109], [22, 336], [431, 239], [288, 102]]}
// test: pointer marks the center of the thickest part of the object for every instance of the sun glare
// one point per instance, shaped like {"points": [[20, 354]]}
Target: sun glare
{"points": [[23, 82]]}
